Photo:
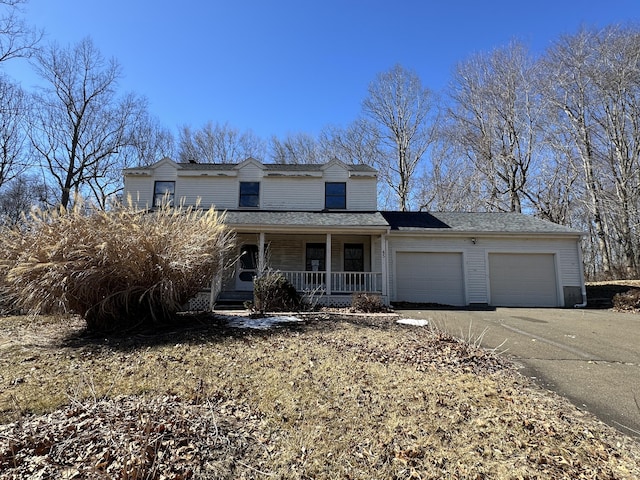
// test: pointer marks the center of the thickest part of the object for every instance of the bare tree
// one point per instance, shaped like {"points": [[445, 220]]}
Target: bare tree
{"points": [[17, 39], [569, 90], [80, 125], [13, 110], [218, 143], [298, 148], [450, 184], [617, 52], [595, 88], [557, 186], [400, 110], [494, 121], [19, 195], [358, 143], [150, 142]]}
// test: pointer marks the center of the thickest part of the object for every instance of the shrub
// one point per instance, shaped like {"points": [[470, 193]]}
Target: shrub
{"points": [[117, 268], [628, 301], [366, 302], [272, 292]]}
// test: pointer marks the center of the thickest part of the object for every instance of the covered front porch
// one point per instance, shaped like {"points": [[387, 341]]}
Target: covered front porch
{"points": [[326, 268]]}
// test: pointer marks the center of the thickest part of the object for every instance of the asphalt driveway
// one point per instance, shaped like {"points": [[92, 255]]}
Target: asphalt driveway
{"points": [[592, 357]]}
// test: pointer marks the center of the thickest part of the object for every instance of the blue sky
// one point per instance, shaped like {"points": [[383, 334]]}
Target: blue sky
{"points": [[287, 66]]}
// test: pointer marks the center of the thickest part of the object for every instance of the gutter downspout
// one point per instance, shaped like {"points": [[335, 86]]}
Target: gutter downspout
{"points": [[584, 289]]}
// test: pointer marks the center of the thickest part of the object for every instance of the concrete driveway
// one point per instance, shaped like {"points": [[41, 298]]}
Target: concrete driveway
{"points": [[592, 357]]}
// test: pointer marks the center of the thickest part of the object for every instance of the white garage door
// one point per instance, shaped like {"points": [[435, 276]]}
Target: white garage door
{"points": [[430, 278], [522, 280]]}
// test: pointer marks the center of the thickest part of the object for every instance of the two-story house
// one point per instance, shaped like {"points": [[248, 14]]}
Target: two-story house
{"points": [[319, 225]]}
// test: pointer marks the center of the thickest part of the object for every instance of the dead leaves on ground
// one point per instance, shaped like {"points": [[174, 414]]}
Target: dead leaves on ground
{"points": [[331, 398], [134, 438]]}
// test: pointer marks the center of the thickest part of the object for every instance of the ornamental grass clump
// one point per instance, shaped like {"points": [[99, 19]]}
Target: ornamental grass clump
{"points": [[118, 268]]}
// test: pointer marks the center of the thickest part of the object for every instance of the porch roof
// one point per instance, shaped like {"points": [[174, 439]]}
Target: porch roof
{"points": [[372, 222]]}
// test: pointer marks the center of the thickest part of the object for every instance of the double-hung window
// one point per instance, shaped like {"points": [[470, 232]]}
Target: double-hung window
{"points": [[353, 257], [316, 256], [163, 192], [335, 195], [249, 195]]}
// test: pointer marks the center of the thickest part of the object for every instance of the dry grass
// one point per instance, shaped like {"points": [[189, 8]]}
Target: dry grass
{"points": [[113, 268], [329, 398]]}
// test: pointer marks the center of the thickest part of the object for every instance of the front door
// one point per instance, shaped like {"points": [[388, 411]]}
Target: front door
{"points": [[246, 267]]}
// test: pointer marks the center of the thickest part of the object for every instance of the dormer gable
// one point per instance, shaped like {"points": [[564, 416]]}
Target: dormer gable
{"points": [[352, 170], [151, 170], [163, 162], [334, 162], [249, 163]]}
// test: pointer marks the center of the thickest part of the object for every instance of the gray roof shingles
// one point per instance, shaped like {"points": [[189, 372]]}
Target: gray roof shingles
{"points": [[418, 222], [273, 167], [306, 219], [480, 222], [270, 167]]}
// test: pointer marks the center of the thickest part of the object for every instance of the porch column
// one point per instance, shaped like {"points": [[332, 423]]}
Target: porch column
{"points": [[327, 263], [261, 259], [384, 265]]}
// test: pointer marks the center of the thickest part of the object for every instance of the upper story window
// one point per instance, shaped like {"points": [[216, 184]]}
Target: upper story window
{"points": [[163, 191], [335, 195], [249, 195]]}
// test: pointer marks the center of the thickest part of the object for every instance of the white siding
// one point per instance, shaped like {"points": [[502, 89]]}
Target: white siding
{"points": [[335, 173], [475, 277], [362, 194], [285, 252], [376, 254], [140, 189], [292, 193], [250, 172], [476, 257], [295, 192], [222, 192], [165, 171]]}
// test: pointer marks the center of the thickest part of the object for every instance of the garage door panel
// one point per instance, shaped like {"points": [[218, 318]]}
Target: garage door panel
{"points": [[523, 280], [430, 277]]}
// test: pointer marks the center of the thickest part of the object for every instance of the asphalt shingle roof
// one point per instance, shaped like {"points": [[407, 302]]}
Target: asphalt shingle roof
{"points": [[485, 222], [273, 167], [424, 222], [306, 219]]}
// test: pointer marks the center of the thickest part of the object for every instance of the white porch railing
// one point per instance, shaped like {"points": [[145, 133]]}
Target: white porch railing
{"points": [[341, 282]]}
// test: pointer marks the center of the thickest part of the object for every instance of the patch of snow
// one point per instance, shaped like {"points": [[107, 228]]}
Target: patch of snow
{"points": [[263, 323], [412, 321]]}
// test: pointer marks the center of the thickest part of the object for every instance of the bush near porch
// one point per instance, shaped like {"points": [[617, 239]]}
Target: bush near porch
{"points": [[272, 292]]}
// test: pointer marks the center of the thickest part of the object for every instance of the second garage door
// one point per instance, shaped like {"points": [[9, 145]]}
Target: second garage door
{"points": [[522, 280], [430, 277]]}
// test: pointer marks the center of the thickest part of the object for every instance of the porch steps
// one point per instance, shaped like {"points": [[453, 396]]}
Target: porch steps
{"points": [[232, 299]]}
